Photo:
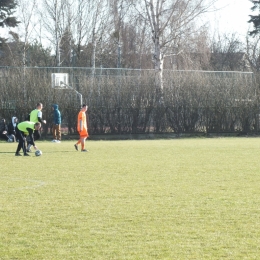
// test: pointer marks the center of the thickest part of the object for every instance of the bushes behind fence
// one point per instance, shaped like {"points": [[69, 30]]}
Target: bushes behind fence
{"points": [[126, 101]]}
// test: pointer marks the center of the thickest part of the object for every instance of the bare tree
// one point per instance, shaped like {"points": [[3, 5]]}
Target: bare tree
{"points": [[56, 17], [76, 26], [228, 53], [87, 27], [168, 22], [27, 25], [253, 52], [119, 11], [100, 24]]}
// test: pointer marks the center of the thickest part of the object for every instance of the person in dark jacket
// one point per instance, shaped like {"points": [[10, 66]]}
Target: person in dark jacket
{"points": [[12, 126], [56, 131], [3, 130]]}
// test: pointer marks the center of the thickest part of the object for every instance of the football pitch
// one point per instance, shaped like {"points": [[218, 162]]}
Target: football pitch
{"points": [[195, 198]]}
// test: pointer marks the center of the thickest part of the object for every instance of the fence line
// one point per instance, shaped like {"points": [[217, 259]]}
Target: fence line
{"points": [[125, 100]]}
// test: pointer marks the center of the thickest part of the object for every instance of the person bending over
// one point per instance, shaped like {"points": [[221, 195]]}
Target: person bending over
{"points": [[23, 130]]}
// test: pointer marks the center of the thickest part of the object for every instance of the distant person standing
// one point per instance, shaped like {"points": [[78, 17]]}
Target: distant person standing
{"points": [[36, 116], [82, 128], [56, 131], [23, 130]]}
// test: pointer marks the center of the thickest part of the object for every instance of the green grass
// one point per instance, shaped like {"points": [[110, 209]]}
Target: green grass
{"points": [[154, 199]]}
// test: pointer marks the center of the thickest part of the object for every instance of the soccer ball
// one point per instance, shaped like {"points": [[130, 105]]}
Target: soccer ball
{"points": [[38, 153]]}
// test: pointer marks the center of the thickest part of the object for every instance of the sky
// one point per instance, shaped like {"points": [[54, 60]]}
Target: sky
{"points": [[231, 17]]}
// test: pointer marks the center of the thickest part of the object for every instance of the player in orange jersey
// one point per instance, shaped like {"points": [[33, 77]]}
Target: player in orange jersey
{"points": [[82, 128]]}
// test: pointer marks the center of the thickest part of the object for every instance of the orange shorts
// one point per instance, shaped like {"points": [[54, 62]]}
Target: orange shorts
{"points": [[83, 133]]}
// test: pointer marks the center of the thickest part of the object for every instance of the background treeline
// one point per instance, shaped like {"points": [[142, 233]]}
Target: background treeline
{"points": [[141, 66], [125, 101], [121, 34]]}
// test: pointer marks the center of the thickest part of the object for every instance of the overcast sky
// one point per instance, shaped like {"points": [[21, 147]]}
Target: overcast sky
{"points": [[231, 17]]}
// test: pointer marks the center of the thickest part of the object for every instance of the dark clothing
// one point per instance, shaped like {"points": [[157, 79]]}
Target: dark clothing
{"points": [[12, 126], [11, 129], [4, 136], [21, 135], [56, 115], [3, 131], [36, 135], [3, 126], [56, 123]]}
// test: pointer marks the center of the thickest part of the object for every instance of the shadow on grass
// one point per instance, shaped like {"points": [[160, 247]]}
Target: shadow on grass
{"points": [[32, 153]]}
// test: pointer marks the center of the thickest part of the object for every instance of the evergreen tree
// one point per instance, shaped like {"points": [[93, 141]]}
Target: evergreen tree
{"points": [[7, 8], [255, 19]]}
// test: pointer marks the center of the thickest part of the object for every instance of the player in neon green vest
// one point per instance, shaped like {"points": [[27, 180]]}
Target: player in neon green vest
{"points": [[36, 116], [23, 130]]}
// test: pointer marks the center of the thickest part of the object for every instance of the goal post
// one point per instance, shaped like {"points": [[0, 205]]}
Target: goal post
{"points": [[61, 81]]}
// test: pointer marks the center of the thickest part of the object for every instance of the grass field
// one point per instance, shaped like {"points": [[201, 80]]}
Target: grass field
{"points": [[155, 199]]}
